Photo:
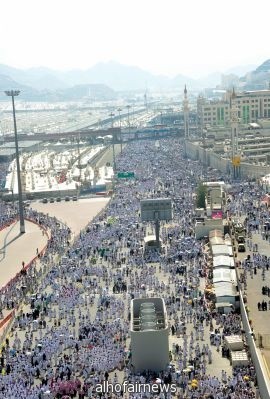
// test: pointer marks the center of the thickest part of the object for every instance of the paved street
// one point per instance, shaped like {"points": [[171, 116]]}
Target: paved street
{"points": [[76, 214], [260, 320], [17, 248]]}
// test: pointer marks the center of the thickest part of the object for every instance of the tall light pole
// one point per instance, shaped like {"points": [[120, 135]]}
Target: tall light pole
{"points": [[12, 94], [128, 108], [114, 165], [119, 111]]}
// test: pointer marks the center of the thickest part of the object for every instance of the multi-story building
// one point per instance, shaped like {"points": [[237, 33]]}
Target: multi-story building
{"points": [[251, 105]]}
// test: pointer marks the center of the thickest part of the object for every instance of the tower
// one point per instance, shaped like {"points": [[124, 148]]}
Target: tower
{"points": [[186, 113], [234, 137]]}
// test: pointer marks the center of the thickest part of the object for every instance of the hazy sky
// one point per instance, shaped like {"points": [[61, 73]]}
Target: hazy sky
{"points": [[193, 37]]}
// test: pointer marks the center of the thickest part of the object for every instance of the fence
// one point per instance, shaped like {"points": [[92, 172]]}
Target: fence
{"points": [[33, 261], [5, 325]]}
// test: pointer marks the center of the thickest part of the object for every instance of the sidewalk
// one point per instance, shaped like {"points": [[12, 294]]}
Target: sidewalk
{"points": [[260, 319], [16, 248], [75, 214]]}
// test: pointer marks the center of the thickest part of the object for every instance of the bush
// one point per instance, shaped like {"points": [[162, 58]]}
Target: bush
{"points": [[201, 193]]}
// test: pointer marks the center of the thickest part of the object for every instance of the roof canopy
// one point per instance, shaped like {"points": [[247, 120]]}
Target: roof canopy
{"points": [[223, 260], [225, 288]]}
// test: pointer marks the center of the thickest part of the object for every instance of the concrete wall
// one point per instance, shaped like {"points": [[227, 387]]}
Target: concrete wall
{"points": [[150, 348], [194, 151]]}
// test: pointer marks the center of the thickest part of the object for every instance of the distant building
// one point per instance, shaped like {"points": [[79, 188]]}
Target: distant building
{"points": [[149, 334], [251, 106], [229, 81]]}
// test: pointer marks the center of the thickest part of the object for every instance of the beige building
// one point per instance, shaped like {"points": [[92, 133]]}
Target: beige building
{"points": [[251, 105]]}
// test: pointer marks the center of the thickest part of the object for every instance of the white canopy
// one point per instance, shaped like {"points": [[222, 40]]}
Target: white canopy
{"points": [[224, 274], [223, 260], [221, 250], [225, 289]]}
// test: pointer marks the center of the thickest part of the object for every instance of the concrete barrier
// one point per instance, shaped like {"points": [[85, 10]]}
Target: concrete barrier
{"points": [[256, 355], [216, 161], [33, 261]]}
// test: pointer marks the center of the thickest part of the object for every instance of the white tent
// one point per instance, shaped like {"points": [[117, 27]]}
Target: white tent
{"points": [[221, 250], [223, 261], [224, 274], [226, 292]]}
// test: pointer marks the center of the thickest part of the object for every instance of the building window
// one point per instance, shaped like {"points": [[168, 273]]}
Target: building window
{"points": [[245, 114], [220, 116]]}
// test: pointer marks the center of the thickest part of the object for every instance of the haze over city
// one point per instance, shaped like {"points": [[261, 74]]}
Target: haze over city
{"points": [[192, 38]]}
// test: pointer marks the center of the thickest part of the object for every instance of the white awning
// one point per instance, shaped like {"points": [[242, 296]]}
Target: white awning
{"points": [[224, 275], [221, 250], [223, 260], [225, 289]]}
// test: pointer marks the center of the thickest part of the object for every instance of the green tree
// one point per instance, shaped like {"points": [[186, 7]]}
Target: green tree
{"points": [[201, 193]]}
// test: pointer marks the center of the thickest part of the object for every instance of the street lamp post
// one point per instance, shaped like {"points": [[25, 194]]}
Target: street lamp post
{"points": [[128, 108], [119, 110], [12, 94], [114, 166]]}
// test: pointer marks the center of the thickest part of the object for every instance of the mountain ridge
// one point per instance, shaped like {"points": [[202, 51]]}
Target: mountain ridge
{"points": [[116, 77]]}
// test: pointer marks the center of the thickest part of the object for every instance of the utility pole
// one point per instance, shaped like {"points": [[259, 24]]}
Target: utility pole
{"points": [[12, 94], [114, 164], [79, 158], [121, 144], [128, 108]]}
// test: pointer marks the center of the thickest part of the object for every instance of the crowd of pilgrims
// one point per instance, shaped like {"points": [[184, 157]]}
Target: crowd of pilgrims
{"points": [[71, 329]]}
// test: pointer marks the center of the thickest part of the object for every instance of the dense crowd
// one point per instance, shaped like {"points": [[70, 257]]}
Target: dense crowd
{"points": [[73, 330]]}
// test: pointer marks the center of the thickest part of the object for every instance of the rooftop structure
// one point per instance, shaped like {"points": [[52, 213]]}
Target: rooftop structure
{"points": [[149, 334]]}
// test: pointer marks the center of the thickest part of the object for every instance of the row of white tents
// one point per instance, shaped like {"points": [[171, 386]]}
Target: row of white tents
{"points": [[223, 270]]}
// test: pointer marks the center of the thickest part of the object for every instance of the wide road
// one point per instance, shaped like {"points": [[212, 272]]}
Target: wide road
{"points": [[76, 214], [16, 248]]}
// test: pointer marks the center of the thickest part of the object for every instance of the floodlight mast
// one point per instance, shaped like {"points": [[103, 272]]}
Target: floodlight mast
{"points": [[157, 229], [12, 94]]}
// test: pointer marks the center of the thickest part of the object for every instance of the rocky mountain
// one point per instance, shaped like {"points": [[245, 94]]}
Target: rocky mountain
{"points": [[117, 76], [106, 78], [257, 79], [7, 83], [79, 92], [240, 70], [86, 91], [264, 67]]}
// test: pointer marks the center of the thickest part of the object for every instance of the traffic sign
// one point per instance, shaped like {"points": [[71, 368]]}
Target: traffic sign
{"points": [[156, 209], [125, 175]]}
